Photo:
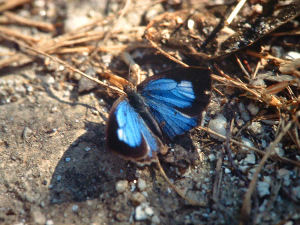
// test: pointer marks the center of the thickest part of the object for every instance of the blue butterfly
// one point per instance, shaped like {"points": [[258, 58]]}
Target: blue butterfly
{"points": [[159, 109]]}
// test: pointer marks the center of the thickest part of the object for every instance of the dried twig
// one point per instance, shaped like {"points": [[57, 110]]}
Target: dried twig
{"points": [[28, 22], [10, 4]]}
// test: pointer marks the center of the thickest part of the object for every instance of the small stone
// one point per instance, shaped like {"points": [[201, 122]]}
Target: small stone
{"points": [[58, 178], [155, 220], [190, 24], [38, 217], [143, 212], [49, 222], [141, 184], [212, 157], [67, 159], [75, 208], [289, 223], [244, 168], [121, 186], [263, 188], [137, 198], [227, 171], [246, 142], [292, 55], [218, 125], [121, 217], [296, 192], [285, 175], [279, 151], [53, 109], [48, 79], [253, 109], [26, 133], [244, 114], [87, 148], [250, 159], [277, 51], [256, 128]]}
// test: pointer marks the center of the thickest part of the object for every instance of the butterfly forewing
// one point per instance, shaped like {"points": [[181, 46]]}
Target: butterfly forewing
{"points": [[127, 133], [176, 98]]}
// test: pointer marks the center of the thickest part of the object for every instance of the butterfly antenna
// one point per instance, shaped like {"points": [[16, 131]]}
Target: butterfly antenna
{"points": [[177, 190]]}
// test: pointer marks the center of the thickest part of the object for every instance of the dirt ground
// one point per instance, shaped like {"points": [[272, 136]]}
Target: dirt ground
{"points": [[54, 165]]}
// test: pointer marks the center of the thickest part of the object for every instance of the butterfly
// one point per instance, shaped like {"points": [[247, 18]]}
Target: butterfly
{"points": [[155, 112]]}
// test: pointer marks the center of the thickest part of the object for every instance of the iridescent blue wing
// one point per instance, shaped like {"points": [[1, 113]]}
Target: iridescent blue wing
{"points": [[128, 135], [176, 98]]}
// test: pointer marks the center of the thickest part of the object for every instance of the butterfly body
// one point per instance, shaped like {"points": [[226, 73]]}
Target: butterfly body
{"points": [[163, 107]]}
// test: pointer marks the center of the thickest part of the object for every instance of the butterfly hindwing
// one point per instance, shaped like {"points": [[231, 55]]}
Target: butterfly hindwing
{"points": [[176, 98], [127, 133]]}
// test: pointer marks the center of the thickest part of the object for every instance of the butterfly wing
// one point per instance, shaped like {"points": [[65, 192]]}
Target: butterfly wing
{"points": [[128, 135], [176, 98]]}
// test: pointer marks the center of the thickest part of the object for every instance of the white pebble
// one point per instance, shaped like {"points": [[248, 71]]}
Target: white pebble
{"points": [[121, 186], [190, 24], [263, 188], [292, 55], [75, 208], [212, 157], [143, 212], [279, 151], [253, 109], [49, 222], [244, 114], [285, 175], [250, 159], [87, 149], [227, 171], [218, 125], [141, 184], [256, 128], [246, 142]]}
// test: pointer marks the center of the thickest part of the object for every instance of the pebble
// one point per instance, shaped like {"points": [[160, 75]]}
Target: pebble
{"points": [[253, 109], [137, 198], [143, 212], [292, 55], [49, 222], [279, 151], [48, 79], [244, 114], [285, 175], [68, 159], [218, 125], [250, 159], [212, 157], [75, 208], [296, 192], [87, 149], [263, 188], [141, 184], [227, 171], [256, 128], [58, 178], [277, 51], [246, 142], [26, 133], [155, 219], [121, 186], [38, 217]]}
